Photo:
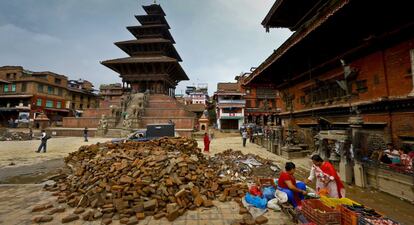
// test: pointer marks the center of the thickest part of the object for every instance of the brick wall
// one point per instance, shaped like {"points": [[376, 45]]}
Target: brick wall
{"points": [[180, 123], [71, 132], [382, 70], [97, 113], [167, 113], [90, 122]]}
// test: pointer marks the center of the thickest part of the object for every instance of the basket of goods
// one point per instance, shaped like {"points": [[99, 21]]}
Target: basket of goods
{"points": [[317, 212], [348, 216], [365, 220]]}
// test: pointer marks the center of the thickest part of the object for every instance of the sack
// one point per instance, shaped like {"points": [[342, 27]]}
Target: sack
{"points": [[254, 190], [272, 204], [269, 193], [256, 201], [281, 196]]}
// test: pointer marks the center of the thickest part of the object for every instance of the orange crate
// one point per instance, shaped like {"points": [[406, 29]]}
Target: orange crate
{"points": [[317, 212], [348, 217]]}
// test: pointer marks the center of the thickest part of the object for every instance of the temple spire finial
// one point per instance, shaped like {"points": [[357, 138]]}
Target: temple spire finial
{"points": [[155, 1]]}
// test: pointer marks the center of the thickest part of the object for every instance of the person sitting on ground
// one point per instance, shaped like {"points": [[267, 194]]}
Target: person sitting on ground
{"points": [[406, 160], [287, 183], [392, 153]]}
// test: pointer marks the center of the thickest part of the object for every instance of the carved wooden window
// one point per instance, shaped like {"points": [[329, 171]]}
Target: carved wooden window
{"points": [[361, 86], [302, 100]]}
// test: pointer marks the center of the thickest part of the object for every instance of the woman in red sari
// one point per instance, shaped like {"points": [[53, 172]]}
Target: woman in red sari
{"points": [[206, 143], [326, 178]]}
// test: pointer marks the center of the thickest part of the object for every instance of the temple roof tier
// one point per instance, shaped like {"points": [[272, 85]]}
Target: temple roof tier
{"points": [[151, 31], [154, 9], [152, 20], [147, 65], [151, 46], [152, 56]]}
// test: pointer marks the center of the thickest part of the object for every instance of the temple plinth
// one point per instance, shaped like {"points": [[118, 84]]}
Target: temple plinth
{"points": [[153, 62]]}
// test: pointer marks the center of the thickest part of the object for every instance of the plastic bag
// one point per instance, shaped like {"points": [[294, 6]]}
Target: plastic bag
{"points": [[323, 192], [272, 204], [269, 193], [281, 196], [256, 201], [255, 212], [254, 190]]}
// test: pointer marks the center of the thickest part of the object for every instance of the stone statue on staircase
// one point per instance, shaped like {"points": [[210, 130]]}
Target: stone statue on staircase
{"points": [[102, 126]]}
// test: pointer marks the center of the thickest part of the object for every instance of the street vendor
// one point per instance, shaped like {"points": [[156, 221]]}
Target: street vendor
{"points": [[406, 160], [287, 183], [392, 153], [326, 178]]}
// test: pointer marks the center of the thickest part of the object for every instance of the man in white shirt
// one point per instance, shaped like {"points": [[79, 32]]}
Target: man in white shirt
{"points": [[244, 136], [43, 142]]}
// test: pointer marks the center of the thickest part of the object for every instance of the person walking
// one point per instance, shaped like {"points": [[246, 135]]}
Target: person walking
{"points": [[85, 134], [244, 136], [30, 134], [251, 134], [206, 143], [43, 142]]}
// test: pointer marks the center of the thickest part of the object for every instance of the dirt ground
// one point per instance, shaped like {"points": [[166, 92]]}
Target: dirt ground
{"points": [[22, 153], [31, 167], [18, 197], [388, 205]]}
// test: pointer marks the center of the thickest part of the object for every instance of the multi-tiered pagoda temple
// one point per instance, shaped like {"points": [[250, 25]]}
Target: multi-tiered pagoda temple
{"points": [[153, 62]]}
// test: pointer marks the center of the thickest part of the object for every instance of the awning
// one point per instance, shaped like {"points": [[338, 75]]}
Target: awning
{"points": [[4, 81], [16, 96], [8, 110]]}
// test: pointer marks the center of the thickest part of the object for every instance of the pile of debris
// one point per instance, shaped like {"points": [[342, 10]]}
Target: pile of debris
{"points": [[132, 180], [245, 168], [7, 135]]}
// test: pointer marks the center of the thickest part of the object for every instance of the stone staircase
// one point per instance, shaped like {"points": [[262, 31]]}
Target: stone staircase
{"points": [[163, 108]]}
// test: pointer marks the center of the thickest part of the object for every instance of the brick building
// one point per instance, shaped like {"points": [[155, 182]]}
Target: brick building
{"points": [[81, 95], [343, 57], [229, 106], [111, 94], [345, 78], [196, 94], [23, 91], [261, 100]]}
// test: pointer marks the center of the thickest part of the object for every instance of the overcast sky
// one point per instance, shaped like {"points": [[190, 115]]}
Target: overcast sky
{"points": [[217, 39]]}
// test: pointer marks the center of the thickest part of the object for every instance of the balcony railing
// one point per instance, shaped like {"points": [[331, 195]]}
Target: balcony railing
{"points": [[232, 114], [225, 101]]}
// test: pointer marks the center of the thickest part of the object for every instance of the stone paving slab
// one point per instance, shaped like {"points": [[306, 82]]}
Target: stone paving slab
{"points": [[17, 201]]}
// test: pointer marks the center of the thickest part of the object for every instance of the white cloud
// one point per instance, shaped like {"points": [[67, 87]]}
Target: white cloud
{"points": [[11, 34], [217, 39]]}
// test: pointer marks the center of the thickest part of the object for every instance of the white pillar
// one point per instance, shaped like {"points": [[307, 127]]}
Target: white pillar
{"points": [[412, 71]]}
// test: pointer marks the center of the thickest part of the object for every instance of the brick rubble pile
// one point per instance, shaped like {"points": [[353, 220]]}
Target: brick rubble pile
{"points": [[130, 181], [6, 135]]}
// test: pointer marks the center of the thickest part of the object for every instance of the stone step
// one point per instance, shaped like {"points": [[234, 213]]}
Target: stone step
{"points": [[162, 104], [180, 122], [166, 112]]}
